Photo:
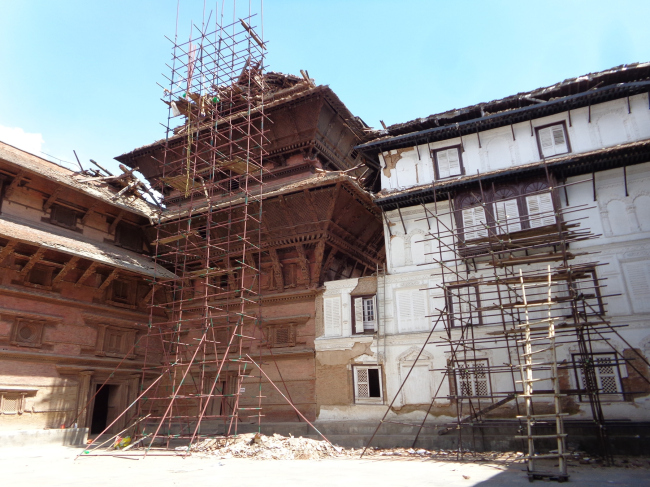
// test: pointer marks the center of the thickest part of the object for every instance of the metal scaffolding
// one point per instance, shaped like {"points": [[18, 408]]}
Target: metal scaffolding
{"points": [[204, 320]]}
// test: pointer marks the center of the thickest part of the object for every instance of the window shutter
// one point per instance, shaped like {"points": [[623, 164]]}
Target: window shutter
{"points": [[405, 316], [332, 316], [540, 210], [443, 164], [374, 309], [454, 162], [559, 140], [358, 315], [546, 141], [419, 308], [362, 382], [473, 223], [507, 213]]}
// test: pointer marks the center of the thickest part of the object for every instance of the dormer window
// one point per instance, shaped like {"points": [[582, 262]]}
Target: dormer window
{"points": [[448, 162], [552, 140]]}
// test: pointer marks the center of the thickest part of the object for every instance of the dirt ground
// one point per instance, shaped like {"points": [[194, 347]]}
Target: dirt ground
{"points": [[56, 466]]}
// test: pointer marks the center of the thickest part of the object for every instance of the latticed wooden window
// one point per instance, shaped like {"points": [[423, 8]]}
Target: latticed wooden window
{"points": [[367, 385], [605, 373], [11, 403], [282, 336], [473, 379]]}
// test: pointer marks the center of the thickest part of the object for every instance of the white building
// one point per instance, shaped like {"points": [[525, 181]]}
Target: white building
{"points": [[531, 176]]}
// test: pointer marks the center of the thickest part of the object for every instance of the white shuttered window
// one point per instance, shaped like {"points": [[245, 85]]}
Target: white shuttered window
{"points": [[412, 310], [540, 210], [507, 215], [553, 140], [448, 161], [332, 318], [474, 223]]}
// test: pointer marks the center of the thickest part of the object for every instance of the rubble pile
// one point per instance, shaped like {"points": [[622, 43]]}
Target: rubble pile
{"points": [[276, 447]]}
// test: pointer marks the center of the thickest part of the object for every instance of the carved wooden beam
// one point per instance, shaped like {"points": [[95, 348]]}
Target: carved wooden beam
{"points": [[31, 263], [117, 220], [304, 264], [86, 274], [277, 269], [145, 301], [90, 211], [7, 250], [50, 201], [318, 258], [14, 184], [111, 277], [327, 264], [71, 264]]}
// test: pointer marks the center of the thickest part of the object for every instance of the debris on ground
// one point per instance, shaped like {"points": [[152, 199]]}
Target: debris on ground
{"points": [[278, 447]]}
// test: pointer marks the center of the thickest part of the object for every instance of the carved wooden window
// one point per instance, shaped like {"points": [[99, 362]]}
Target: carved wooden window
{"points": [[510, 208], [12, 403], [552, 140], [27, 333], [282, 336], [64, 217], [367, 384], [114, 341], [448, 162], [364, 314], [128, 236], [123, 291], [472, 378], [606, 373]]}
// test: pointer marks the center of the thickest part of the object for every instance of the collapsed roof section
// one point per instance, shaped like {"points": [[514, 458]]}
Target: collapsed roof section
{"points": [[619, 82], [20, 166]]}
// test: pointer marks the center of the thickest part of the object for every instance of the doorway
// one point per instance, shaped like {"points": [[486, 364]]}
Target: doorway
{"points": [[104, 407]]}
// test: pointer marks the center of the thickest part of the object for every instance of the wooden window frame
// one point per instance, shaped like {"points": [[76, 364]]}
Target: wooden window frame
{"points": [[119, 229], [53, 211], [369, 400], [131, 301], [449, 296], [566, 137], [434, 158], [354, 319], [272, 332], [127, 336]]}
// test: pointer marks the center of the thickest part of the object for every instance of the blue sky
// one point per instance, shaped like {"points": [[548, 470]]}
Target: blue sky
{"points": [[81, 74]]}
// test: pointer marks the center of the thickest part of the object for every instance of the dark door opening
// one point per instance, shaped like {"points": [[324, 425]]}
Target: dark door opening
{"points": [[100, 409]]}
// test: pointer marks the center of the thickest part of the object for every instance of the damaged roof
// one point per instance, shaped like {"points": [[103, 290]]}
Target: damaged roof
{"points": [[72, 243], [282, 89], [66, 177], [566, 166], [614, 83]]}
